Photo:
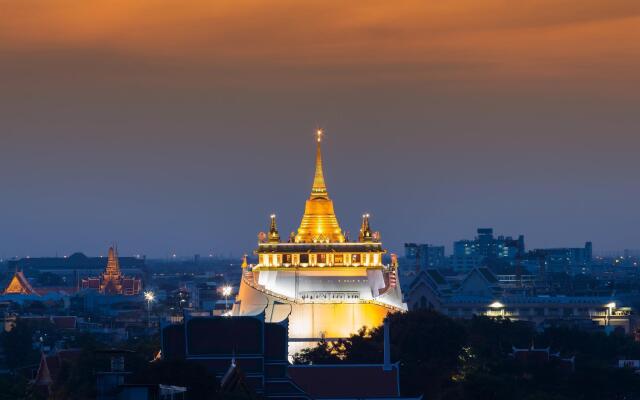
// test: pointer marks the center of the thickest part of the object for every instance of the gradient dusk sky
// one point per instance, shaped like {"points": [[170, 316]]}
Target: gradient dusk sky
{"points": [[179, 126]]}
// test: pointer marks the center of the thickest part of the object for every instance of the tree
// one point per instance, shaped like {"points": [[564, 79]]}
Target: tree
{"points": [[14, 387], [428, 346], [322, 353], [18, 347], [77, 381], [450, 359]]}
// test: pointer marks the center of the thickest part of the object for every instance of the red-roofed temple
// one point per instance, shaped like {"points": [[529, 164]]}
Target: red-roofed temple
{"points": [[112, 281]]}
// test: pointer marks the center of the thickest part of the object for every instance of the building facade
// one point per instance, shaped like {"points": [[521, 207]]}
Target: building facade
{"points": [[328, 286], [564, 259], [481, 293]]}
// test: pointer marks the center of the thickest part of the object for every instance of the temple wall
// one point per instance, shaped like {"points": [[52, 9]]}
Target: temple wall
{"points": [[308, 322], [293, 283]]}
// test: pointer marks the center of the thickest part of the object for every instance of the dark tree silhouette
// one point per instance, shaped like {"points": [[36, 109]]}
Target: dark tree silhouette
{"points": [[470, 359]]}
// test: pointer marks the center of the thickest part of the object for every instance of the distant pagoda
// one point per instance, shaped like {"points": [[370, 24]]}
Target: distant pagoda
{"points": [[112, 281], [328, 287]]}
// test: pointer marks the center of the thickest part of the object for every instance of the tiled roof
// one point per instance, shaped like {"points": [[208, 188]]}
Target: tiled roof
{"points": [[346, 381], [50, 365]]}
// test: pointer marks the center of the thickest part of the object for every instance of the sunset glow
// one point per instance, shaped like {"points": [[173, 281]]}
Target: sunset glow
{"points": [[473, 112], [414, 41]]}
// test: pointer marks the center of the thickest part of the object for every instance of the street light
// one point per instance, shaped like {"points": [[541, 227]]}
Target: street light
{"points": [[226, 292], [149, 297], [609, 312]]}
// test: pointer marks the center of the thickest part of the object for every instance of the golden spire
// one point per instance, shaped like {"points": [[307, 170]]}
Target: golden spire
{"points": [[319, 188], [319, 222]]}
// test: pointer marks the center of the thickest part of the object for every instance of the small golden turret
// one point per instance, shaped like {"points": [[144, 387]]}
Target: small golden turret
{"points": [[244, 261], [365, 230], [274, 236]]}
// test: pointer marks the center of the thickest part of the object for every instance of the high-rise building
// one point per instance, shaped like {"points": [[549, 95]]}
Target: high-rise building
{"points": [[423, 256], [328, 285], [564, 259], [484, 249]]}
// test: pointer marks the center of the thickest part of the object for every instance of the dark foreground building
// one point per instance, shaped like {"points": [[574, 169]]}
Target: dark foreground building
{"points": [[259, 350]]}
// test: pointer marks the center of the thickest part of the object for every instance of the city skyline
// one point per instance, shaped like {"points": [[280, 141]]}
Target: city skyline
{"points": [[181, 129]]}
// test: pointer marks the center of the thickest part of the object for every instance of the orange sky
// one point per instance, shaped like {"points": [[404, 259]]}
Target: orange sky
{"points": [[155, 123], [588, 42]]}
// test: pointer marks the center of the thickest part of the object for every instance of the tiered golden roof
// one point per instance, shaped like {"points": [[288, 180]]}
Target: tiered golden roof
{"points": [[113, 263], [319, 223]]}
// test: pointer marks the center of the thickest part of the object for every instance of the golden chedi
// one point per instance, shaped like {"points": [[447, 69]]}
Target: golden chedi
{"points": [[328, 286]]}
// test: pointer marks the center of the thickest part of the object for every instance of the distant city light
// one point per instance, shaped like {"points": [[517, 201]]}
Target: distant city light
{"points": [[150, 297], [496, 304]]}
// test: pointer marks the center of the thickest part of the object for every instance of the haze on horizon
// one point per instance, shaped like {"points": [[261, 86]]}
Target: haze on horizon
{"points": [[179, 127]]}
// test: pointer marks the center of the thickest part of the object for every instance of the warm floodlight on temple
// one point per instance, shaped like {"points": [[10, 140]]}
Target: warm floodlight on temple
{"points": [[326, 284]]}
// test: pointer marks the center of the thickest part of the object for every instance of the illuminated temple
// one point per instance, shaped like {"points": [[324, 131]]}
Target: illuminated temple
{"points": [[19, 284], [112, 281], [328, 285]]}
